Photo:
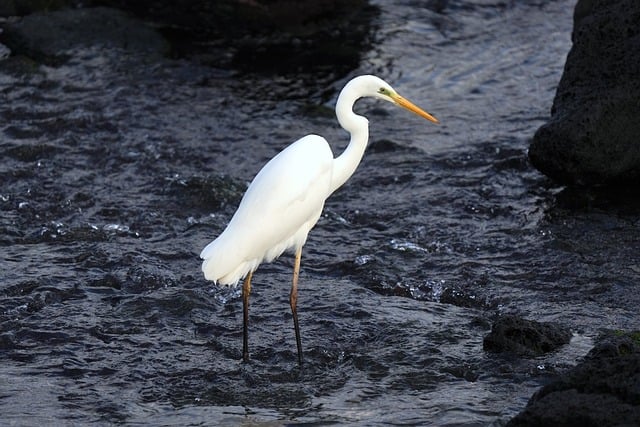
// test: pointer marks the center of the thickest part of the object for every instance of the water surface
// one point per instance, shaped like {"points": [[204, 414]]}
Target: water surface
{"points": [[117, 170]]}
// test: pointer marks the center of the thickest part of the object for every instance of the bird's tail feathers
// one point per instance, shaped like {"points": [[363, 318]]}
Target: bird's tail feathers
{"points": [[222, 265]]}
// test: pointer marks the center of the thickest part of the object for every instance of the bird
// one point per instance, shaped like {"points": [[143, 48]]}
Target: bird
{"points": [[286, 198]]}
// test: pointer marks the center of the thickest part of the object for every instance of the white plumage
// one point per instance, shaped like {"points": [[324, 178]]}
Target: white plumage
{"points": [[285, 199], [276, 213]]}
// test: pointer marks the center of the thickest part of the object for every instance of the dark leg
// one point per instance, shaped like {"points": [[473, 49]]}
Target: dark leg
{"points": [[293, 300], [246, 290]]}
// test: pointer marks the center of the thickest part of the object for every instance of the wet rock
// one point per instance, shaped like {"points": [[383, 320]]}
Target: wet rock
{"points": [[592, 136], [49, 37], [603, 390], [211, 192], [523, 337], [262, 35], [26, 7], [239, 17]]}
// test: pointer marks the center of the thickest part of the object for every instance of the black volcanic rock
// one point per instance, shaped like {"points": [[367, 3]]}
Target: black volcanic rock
{"points": [[261, 35], [48, 37], [236, 18], [265, 36], [523, 337], [593, 136], [603, 390]]}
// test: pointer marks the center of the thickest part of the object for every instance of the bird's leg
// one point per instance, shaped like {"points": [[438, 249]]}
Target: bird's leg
{"points": [[246, 290], [293, 300]]}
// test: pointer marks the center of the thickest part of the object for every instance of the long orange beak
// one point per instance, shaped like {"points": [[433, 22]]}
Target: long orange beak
{"points": [[403, 102]]}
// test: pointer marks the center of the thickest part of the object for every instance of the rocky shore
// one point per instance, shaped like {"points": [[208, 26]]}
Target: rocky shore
{"points": [[264, 36], [602, 390], [593, 139], [593, 135]]}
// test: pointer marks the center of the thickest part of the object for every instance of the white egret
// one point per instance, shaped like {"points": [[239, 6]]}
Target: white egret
{"points": [[285, 200]]}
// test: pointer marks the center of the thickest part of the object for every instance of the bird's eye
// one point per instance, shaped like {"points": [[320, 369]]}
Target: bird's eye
{"points": [[384, 91]]}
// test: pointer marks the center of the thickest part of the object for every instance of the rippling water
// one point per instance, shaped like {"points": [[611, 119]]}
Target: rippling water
{"points": [[117, 170]]}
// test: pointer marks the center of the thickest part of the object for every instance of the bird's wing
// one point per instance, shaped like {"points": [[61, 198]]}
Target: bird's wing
{"points": [[289, 190], [282, 203], [296, 174]]}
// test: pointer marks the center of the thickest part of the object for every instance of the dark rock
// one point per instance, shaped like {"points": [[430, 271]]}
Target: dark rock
{"points": [[263, 35], [235, 18], [523, 337], [26, 7], [267, 36], [197, 192], [603, 390], [593, 135], [48, 37]]}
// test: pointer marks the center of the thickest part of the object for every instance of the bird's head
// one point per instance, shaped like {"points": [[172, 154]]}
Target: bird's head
{"points": [[374, 87], [382, 90]]}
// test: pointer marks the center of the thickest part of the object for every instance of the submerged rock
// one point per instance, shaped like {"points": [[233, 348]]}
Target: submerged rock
{"points": [[235, 18], [48, 37], [269, 36], [593, 135], [603, 390], [523, 337], [26, 7], [262, 35]]}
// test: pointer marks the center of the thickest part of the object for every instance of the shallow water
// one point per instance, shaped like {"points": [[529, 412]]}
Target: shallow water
{"points": [[117, 170]]}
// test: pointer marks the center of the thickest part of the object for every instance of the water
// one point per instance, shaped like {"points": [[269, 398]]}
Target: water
{"points": [[117, 170]]}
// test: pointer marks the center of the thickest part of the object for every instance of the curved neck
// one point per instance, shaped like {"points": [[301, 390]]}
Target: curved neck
{"points": [[358, 126]]}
